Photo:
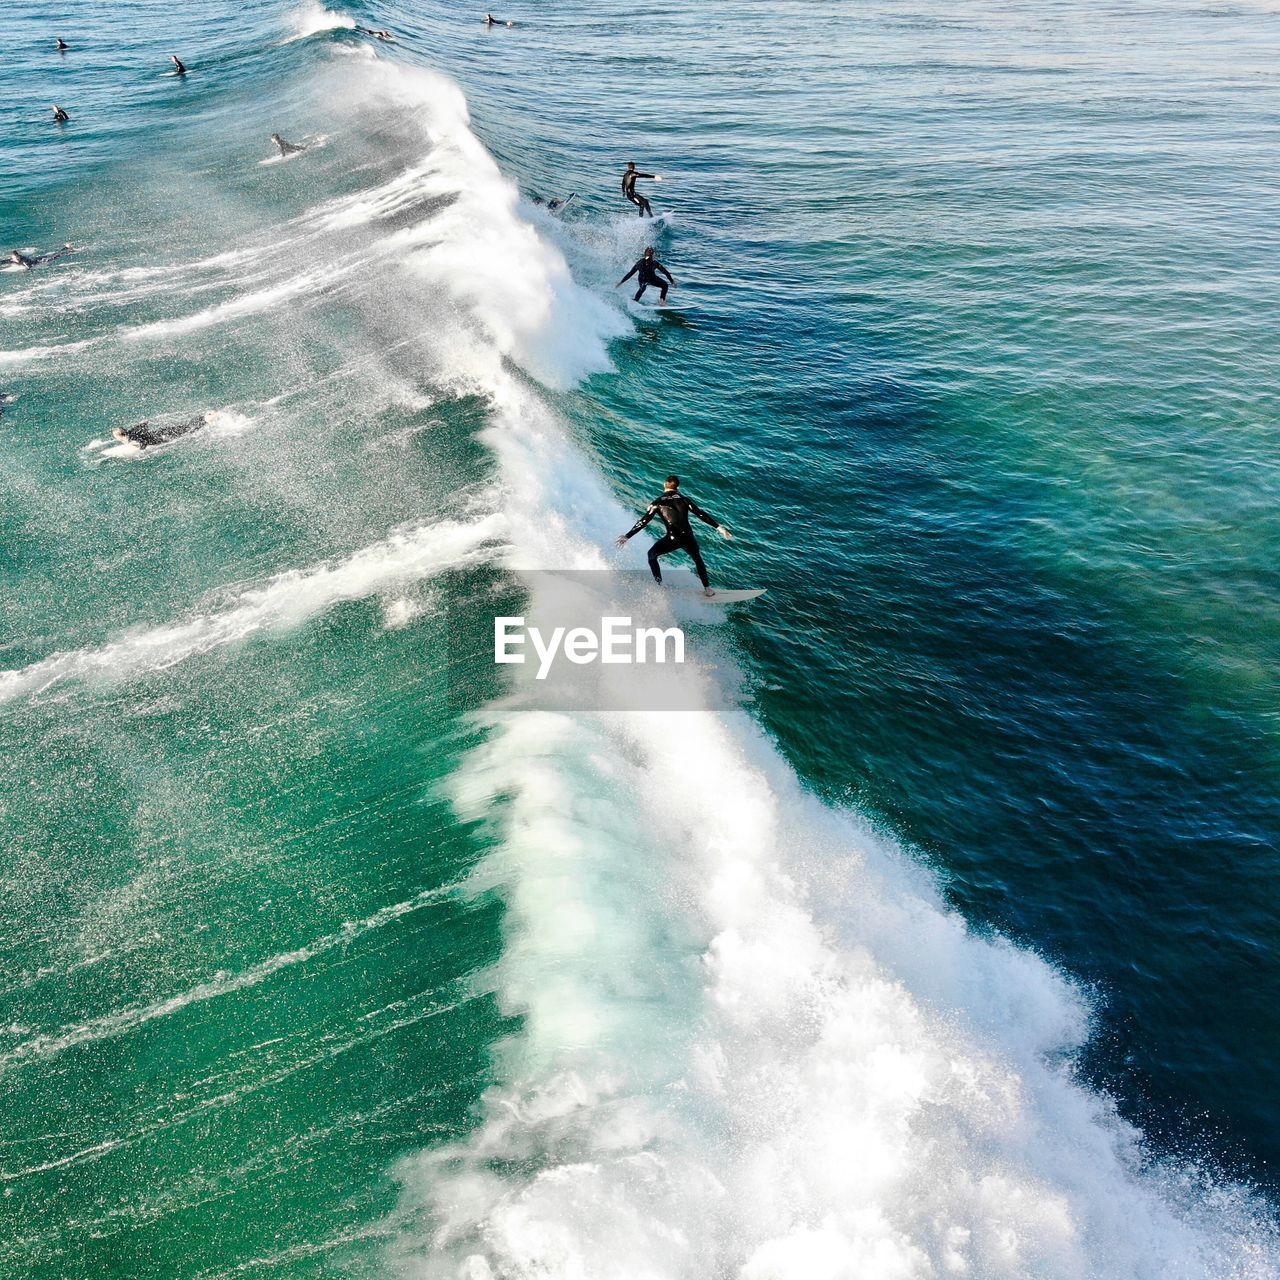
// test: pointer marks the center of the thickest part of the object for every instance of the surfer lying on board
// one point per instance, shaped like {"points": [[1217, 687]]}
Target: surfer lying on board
{"points": [[491, 21], [381, 35], [23, 260], [650, 271], [674, 508], [629, 188], [287, 148], [144, 435], [552, 205]]}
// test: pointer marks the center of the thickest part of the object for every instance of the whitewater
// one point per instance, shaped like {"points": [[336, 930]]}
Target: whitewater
{"points": [[746, 1034]]}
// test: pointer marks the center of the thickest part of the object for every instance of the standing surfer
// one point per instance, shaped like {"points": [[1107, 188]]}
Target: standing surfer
{"points": [[674, 510], [629, 188], [650, 271]]}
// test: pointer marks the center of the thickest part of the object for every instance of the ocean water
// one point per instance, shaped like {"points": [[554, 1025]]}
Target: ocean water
{"points": [[950, 952]]}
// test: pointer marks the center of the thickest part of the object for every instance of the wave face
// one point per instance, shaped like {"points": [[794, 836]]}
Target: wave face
{"points": [[638, 1005]]}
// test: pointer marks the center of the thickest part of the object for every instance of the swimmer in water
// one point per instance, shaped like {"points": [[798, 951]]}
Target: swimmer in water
{"points": [[145, 436], [491, 21], [24, 260], [180, 66], [59, 115], [62, 45], [287, 148]]}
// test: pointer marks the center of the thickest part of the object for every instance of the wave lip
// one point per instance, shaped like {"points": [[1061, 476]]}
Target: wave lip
{"points": [[311, 18]]}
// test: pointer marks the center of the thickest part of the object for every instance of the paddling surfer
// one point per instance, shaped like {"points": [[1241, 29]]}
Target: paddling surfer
{"points": [[25, 260], [145, 436]]}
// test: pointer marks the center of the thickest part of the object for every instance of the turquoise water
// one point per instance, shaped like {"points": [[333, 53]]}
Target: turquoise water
{"points": [[951, 953]]}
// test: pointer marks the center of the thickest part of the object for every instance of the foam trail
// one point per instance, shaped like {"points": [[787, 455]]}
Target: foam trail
{"points": [[285, 601], [125, 1020]]}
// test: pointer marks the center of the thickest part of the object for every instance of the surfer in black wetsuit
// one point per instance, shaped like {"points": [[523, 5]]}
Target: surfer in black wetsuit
{"points": [[674, 510], [629, 188], [22, 259], [62, 45], [287, 148], [144, 435], [553, 205], [650, 271], [179, 65], [491, 21], [59, 115], [380, 35]]}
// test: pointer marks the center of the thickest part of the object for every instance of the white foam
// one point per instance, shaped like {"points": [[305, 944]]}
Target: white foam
{"points": [[285, 601], [311, 18]]}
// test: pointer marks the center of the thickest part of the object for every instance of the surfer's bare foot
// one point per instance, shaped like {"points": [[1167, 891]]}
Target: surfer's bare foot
{"points": [[706, 591]]}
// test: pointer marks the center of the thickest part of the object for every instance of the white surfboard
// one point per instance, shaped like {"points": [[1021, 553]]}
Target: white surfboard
{"points": [[722, 597]]}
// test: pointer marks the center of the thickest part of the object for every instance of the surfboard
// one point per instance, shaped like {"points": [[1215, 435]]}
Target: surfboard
{"points": [[722, 597]]}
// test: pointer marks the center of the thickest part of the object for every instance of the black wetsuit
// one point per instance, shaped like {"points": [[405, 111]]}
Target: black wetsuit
{"points": [[41, 258], [650, 271], [674, 509], [144, 435], [629, 190]]}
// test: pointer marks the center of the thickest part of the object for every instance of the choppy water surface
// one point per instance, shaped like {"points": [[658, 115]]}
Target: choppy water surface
{"points": [[951, 953]]}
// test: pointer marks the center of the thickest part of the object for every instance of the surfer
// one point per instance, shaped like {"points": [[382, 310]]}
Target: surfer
{"points": [[650, 271], [23, 260], [144, 435], [181, 67], [59, 115], [287, 148], [381, 35], [629, 188], [491, 21], [62, 45], [552, 205], [674, 509]]}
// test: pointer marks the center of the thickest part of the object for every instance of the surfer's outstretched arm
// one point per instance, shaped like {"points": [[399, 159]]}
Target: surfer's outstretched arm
{"points": [[630, 274], [722, 529], [639, 524]]}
